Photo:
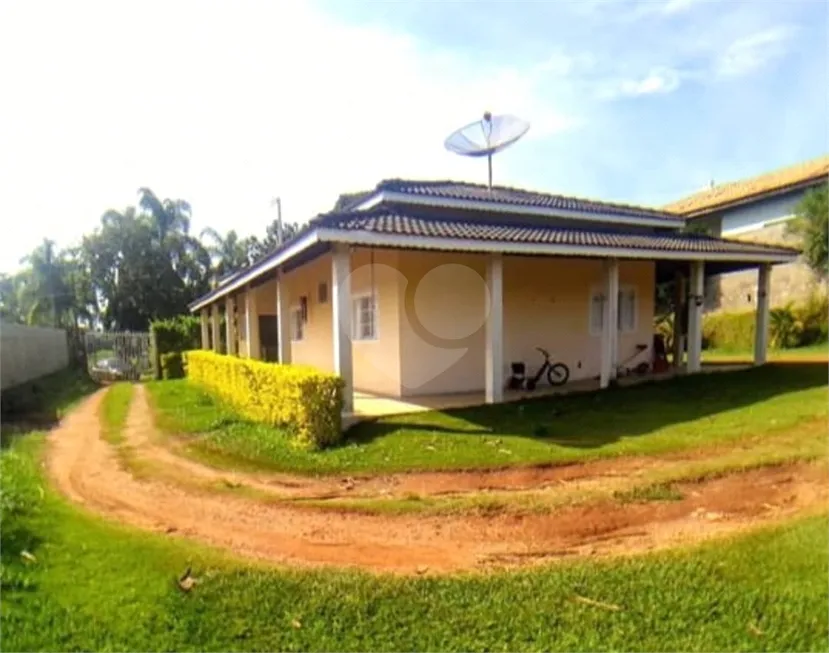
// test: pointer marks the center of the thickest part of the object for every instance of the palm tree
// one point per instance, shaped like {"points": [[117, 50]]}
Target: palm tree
{"points": [[229, 253], [45, 291]]}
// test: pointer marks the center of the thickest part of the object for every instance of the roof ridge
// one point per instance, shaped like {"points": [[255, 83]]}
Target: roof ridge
{"points": [[441, 183]]}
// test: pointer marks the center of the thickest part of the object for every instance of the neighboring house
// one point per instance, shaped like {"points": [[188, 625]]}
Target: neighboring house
{"points": [[757, 210], [427, 288]]}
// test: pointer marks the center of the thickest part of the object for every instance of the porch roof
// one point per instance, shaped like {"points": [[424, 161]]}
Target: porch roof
{"points": [[404, 227]]}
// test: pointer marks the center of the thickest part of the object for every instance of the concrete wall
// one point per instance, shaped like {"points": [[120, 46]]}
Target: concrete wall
{"points": [[763, 222], [790, 282], [27, 353]]}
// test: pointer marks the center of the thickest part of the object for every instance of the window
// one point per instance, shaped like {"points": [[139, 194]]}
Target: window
{"points": [[627, 310], [297, 324], [364, 317]]}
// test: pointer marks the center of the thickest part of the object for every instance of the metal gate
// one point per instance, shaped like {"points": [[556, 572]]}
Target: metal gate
{"points": [[113, 356]]}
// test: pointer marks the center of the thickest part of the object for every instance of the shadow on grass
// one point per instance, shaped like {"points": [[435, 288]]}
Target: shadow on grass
{"points": [[40, 404], [594, 419]]}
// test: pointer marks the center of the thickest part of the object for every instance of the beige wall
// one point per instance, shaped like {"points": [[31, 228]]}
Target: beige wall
{"points": [[27, 353], [431, 309], [546, 304], [376, 363]]}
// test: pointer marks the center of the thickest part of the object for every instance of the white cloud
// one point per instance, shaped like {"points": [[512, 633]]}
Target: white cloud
{"points": [[658, 80], [672, 7], [747, 54], [226, 106]]}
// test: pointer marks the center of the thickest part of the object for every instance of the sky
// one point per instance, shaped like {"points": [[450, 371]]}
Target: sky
{"points": [[230, 104]]}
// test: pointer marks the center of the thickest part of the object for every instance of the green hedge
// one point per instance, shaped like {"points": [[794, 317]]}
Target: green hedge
{"points": [[172, 365], [174, 335], [301, 398], [789, 326]]}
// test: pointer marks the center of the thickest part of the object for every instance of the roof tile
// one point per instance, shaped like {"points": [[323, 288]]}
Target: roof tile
{"points": [[743, 189], [518, 197], [391, 221]]}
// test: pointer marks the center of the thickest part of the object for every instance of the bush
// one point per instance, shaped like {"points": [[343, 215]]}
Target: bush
{"points": [[172, 365], [175, 335], [299, 397], [813, 317], [784, 330], [789, 326], [733, 331]]}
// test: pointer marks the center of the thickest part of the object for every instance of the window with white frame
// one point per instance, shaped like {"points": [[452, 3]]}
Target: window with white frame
{"points": [[297, 324], [364, 317], [627, 310]]}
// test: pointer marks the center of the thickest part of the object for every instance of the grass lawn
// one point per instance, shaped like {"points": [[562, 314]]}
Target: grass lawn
{"points": [[683, 413], [94, 585], [114, 408], [813, 352]]}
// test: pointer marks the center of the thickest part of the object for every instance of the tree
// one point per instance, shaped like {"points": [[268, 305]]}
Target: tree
{"points": [[228, 253], [811, 227], [144, 264]]}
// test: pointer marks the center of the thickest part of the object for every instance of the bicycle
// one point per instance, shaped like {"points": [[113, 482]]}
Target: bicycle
{"points": [[557, 373]]}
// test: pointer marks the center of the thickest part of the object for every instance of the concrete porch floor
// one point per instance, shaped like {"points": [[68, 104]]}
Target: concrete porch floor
{"points": [[368, 406]]}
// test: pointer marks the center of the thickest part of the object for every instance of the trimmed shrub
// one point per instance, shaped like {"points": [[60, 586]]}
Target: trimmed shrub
{"points": [[175, 335], [172, 365], [305, 400]]}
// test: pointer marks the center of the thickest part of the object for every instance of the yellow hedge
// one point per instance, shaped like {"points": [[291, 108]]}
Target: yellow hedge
{"points": [[305, 400]]}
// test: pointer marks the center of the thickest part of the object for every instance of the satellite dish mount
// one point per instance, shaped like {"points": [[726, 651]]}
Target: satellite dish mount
{"points": [[487, 137]]}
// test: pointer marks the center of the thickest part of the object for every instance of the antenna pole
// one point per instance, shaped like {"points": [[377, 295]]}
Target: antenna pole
{"points": [[278, 202], [489, 164]]}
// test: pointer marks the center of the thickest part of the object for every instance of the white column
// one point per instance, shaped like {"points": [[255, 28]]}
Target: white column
{"points": [[230, 326], [610, 323], [679, 299], [341, 321], [205, 328], [695, 302], [283, 325], [214, 326], [494, 329], [761, 333], [252, 324]]}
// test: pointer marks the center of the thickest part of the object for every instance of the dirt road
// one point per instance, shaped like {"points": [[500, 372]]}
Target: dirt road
{"points": [[89, 471]]}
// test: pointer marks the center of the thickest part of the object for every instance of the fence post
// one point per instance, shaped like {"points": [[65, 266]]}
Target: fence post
{"points": [[154, 356]]}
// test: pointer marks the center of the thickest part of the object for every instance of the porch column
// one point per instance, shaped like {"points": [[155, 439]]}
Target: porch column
{"points": [[610, 322], [214, 327], [252, 323], [679, 299], [695, 302], [230, 326], [341, 321], [283, 326], [761, 332], [205, 328], [494, 330]]}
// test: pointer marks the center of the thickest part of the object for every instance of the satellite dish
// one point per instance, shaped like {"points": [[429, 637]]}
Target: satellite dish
{"points": [[487, 137]]}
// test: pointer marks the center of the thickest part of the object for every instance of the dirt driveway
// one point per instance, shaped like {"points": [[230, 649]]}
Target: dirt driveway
{"points": [[89, 471]]}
